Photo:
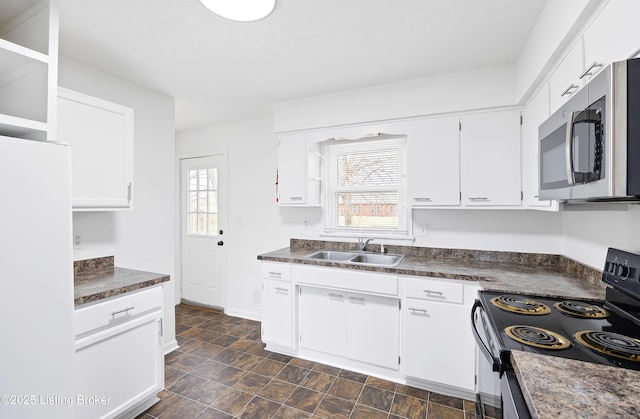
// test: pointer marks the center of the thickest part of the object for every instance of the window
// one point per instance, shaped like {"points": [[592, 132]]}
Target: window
{"points": [[364, 178], [203, 202]]}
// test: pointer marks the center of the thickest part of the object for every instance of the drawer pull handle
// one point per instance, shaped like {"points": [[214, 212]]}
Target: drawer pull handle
{"points": [[275, 273], [282, 289], [433, 292], [336, 295], [418, 310], [124, 310], [422, 199], [356, 299], [478, 198], [295, 198]]}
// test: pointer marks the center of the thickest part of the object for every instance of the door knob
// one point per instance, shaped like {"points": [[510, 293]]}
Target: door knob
{"points": [[220, 243]]}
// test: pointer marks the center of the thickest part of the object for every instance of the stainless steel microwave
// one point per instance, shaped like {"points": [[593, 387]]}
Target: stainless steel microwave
{"points": [[589, 149]]}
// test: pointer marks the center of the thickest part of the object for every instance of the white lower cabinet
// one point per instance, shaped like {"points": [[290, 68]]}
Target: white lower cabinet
{"points": [[322, 315], [119, 355], [277, 313], [408, 329], [439, 348], [278, 320], [373, 329], [360, 327]]}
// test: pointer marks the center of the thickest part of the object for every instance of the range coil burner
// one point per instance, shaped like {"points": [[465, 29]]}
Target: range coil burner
{"points": [[537, 337], [581, 309], [520, 304], [612, 344]]}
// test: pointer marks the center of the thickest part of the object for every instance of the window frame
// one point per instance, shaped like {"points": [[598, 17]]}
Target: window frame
{"points": [[331, 190]]}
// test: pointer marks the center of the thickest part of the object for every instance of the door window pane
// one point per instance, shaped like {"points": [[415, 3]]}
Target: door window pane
{"points": [[202, 202]]}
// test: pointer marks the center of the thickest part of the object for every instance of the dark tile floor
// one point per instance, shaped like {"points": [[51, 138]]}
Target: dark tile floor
{"points": [[222, 370]]}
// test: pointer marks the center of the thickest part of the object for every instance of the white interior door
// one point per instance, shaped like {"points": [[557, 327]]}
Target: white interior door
{"points": [[203, 211]]}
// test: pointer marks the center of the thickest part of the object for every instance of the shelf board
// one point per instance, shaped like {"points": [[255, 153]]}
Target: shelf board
{"points": [[13, 126], [8, 46]]}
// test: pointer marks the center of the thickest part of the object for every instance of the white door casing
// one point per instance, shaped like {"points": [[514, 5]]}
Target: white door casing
{"points": [[203, 220]]}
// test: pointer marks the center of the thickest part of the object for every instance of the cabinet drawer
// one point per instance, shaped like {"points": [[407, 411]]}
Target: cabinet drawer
{"points": [[115, 311], [430, 289], [277, 271]]}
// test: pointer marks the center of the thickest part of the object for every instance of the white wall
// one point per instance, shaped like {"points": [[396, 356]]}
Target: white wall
{"points": [[588, 230], [502, 230], [142, 238], [456, 92], [251, 155]]}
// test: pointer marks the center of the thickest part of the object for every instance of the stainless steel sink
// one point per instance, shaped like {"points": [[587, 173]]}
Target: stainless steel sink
{"points": [[359, 258], [332, 255], [378, 259]]}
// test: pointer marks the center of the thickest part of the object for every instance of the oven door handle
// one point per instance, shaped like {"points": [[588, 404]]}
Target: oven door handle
{"points": [[495, 362]]}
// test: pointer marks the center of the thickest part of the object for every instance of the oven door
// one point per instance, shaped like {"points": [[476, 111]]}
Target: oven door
{"points": [[496, 385], [487, 363], [513, 403]]}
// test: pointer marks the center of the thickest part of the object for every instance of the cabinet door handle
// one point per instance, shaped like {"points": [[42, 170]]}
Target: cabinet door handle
{"points": [[124, 310], [129, 193], [422, 199], [282, 289], [432, 292], [588, 72], [356, 299], [336, 295], [418, 310], [569, 90]]}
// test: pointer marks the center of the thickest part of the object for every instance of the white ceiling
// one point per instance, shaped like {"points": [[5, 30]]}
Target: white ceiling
{"points": [[220, 71]]}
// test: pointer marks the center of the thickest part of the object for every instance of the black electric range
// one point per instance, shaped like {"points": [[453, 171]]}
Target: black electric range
{"points": [[603, 332]]}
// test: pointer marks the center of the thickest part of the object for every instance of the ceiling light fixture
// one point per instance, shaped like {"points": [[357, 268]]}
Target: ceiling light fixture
{"points": [[241, 10]]}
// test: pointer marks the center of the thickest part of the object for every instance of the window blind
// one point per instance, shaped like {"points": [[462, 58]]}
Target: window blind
{"points": [[367, 186]]}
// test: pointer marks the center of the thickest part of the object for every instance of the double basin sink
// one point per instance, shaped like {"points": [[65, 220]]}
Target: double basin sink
{"points": [[357, 258]]}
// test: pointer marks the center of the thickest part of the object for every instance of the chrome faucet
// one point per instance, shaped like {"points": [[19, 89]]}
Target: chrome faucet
{"points": [[362, 243]]}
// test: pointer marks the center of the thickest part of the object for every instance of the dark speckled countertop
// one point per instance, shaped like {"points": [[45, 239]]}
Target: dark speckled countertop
{"points": [[97, 279], [553, 387], [524, 273]]}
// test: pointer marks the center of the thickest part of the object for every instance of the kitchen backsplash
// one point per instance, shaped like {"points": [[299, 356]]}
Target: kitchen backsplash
{"points": [[80, 266]]}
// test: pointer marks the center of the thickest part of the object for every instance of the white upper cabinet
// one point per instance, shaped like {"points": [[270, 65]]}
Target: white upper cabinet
{"points": [[299, 165], [613, 35], [565, 80], [490, 159], [535, 114], [101, 137], [28, 68], [434, 162]]}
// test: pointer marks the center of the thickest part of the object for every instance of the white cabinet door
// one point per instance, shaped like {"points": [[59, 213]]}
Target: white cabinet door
{"points": [[536, 112], [299, 165], [490, 159], [322, 321], [373, 329], [277, 312], [436, 334], [101, 137], [565, 80], [292, 169], [434, 162], [613, 35], [119, 367]]}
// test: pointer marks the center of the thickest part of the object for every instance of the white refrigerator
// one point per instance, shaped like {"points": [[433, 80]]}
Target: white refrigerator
{"points": [[36, 281]]}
